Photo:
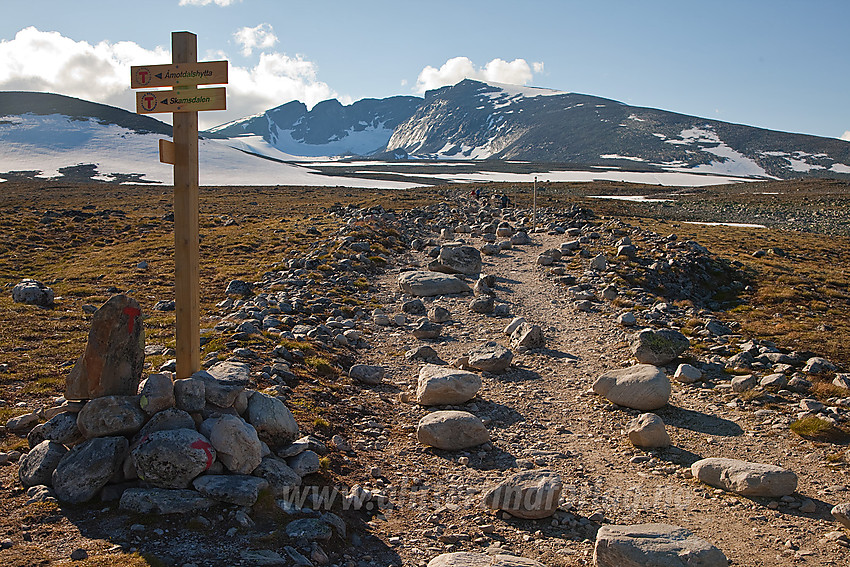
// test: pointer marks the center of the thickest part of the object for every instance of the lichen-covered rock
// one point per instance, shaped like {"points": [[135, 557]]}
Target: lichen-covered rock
{"points": [[32, 292], [426, 284], [156, 393], [659, 347], [236, 442], [86, 468], [110, 416], [37, 466], [271, 418]]}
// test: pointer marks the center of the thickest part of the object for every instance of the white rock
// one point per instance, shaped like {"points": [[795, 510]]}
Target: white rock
{"points": [[643, 386], [441, 385], [451, 430], [745, 478]]}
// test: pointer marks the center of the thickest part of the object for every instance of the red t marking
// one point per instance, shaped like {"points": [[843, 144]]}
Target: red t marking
{"points": [[131, 313]]}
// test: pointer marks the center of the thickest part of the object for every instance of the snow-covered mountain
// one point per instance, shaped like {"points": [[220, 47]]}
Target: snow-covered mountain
{"points": [[328, 129], [475, 120], [502, 132], [47, 135]]}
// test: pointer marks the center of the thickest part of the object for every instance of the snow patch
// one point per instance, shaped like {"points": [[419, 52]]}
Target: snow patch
{"points": [[636, 119], [732, 163], [735, 224], [840, 168], [616, 156]]}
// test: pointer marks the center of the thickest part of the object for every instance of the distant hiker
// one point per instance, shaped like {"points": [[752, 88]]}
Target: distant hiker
{"points": [[505, 201]]}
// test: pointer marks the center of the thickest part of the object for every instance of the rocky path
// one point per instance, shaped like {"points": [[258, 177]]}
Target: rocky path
{"points": [[542, 414]]}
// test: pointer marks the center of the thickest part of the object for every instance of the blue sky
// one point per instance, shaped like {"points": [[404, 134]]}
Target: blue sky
{"points": [[775, 64]]}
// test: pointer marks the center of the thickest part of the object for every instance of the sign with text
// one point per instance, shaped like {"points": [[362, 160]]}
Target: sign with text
{"points": [[181, 100], [178, 75]]}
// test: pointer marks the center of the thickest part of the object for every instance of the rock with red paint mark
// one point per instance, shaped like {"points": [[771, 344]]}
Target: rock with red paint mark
{"points": [[157, 393], [111, 415], [173, 458], [115, 353], [239, 489], [271, 418], [236, 442], [86, 468]]}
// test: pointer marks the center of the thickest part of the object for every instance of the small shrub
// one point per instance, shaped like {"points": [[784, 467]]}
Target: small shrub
{"points": [[816, 429]]}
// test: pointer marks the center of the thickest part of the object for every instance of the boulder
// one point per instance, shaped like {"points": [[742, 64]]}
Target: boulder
{"points": [[271, 418], [367, 374], [426, 284], [643, 387], [687, 374], [841, 512], [745, 478], [530, 495], [162, 501], [457, 260], [304, 463], [173, 458], [438, 314], [647, 432], [37, 466], [61, 428], [311, 529], [156, 393], [663, 545], [490, 357], [115, 353], [471, 559], [527, 337], [32, 292], [223, 382], [484, 304], [441, 385], [278, 474], [110, 416], [190, 394], [167, 419], [238, 489], [451, 430], [427, 330], [236, 443], [87, 467], [659, 347], [743, 383]]}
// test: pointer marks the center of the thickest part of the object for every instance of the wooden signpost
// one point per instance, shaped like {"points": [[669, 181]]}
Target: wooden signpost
{"points": [[184, 73]]}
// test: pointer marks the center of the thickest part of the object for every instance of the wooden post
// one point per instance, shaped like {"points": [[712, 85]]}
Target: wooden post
{"points": [[184, 46], [534, 208]]}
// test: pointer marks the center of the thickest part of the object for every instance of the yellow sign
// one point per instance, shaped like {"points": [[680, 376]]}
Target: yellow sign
{"points": [[178, 75], [182, 100]]}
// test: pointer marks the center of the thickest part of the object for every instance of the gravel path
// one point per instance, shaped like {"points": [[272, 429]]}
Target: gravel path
{"points": [[542, 414]]}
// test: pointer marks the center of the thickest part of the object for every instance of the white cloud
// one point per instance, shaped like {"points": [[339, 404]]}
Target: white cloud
{"points": [[207, 2], [516, 72], [845, 136], [260, 37], [48, 61]]}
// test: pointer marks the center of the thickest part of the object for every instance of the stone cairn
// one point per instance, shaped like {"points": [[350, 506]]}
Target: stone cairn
{"points": [[161, 445]]}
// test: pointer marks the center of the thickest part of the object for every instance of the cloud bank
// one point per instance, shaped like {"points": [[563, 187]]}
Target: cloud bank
{"points": [[50, 62], [845, 136], [516, 72]]}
